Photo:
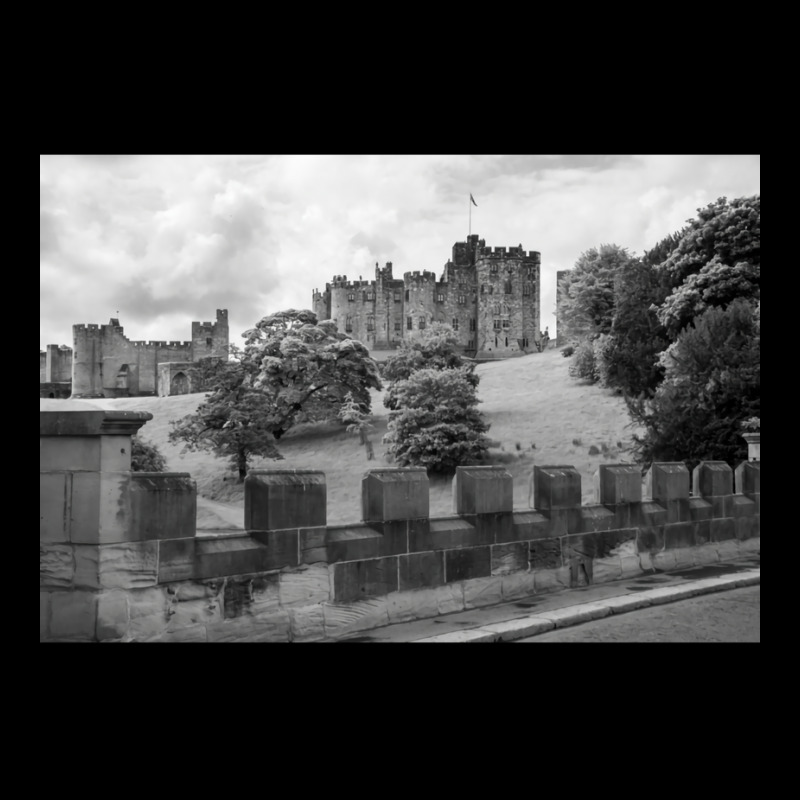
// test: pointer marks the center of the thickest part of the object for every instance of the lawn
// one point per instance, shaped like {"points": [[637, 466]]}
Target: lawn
{"points": [[537, 413]]}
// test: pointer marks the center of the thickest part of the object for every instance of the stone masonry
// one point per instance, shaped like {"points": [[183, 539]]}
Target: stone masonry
{"points": [[120, 559], [490, 296]]}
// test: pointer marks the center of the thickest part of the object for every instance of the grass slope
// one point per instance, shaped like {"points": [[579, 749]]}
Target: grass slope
{"points": [[538, 415]]}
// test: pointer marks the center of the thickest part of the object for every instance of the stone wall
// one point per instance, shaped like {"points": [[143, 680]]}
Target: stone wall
{"points": [[105, 363], [120, 559]]}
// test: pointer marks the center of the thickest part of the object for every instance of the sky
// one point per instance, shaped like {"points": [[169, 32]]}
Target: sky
{"points": [[158, 241]]}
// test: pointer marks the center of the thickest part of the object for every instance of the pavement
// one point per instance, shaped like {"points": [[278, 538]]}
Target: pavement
{"points": [[540, 613]]}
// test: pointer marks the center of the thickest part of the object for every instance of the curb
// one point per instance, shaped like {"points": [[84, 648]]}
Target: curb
{"points": [[584, 612]]}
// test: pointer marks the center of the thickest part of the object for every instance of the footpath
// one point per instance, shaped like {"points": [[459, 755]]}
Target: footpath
{"points": [[544, 612]]}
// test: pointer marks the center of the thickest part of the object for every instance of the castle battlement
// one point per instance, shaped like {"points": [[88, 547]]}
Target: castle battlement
{"points": [[419, 277]]}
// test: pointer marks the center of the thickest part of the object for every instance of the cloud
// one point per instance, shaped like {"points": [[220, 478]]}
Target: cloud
{"points": [[159, 241]]}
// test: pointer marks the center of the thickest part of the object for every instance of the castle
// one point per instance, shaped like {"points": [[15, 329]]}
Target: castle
{"points": [[103, 362], [490, 297]]}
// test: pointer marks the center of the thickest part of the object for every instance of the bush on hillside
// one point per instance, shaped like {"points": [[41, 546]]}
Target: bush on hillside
{"points": [[568, 351], [146, 457], [435, 422], [584, 365]]}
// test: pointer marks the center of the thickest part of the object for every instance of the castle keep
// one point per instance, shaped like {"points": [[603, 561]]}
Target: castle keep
{"points": [[490, 296], [105, 363]]}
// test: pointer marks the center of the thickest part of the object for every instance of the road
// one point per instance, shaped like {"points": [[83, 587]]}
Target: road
{"points": [[730, 616]]}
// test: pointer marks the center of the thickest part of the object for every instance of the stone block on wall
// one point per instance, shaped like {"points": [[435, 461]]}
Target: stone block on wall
{"points": [[469, 562], [748, 478], [395, 494], [163, 505], [359, 580], [667, 481], [556, 487], [284, 499], [240, 555], [711, 479], [619, 484], [483, 490], [421, 570], [529, 525]]}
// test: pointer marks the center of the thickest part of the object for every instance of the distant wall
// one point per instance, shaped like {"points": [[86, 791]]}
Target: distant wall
{"points": [[120, 559]]}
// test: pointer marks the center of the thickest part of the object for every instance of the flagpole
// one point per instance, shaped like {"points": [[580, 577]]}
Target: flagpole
{"points": [[469, 203]]}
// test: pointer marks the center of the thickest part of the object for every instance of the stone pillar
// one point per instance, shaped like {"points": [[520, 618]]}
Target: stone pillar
{"points": [[620, 491], [484, 496], [287, 511], [668, 485], [87, 542], [557, 494], [753, 445], [712, 481]]}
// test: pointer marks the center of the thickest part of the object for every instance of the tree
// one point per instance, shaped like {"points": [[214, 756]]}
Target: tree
{"points": [[288, 360], [146, 457], [435, 422], [712, 383], [717, 259], [357, 422], [437, 348], [587, 296], [630, 356]]}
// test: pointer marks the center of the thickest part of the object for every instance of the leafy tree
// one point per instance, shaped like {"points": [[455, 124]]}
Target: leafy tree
{"points": [[288, 361], [146, 457], [712, 383], [435, 422], [717, 259], [587, 298], [437, 348], [630, 357]]}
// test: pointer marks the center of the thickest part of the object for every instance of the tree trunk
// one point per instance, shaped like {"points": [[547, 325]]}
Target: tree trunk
{"points": [[242, 464]]}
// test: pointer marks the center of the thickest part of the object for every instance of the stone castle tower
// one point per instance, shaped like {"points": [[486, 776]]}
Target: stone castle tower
{"points": [[490, 296]]}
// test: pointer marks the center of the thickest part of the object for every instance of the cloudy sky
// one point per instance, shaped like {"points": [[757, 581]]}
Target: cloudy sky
{"points": [[159, 241]]}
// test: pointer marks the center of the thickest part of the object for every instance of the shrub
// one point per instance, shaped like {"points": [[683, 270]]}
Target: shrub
{"points": [[583, 364], [146, 457], [435, 422], [568, 351], [593, 451]]}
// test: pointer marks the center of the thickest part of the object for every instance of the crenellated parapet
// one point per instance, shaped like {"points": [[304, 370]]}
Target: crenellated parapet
{"points": [[120, 558]]}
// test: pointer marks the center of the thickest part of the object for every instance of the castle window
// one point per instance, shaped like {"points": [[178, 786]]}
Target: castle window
{"points": [[494, 268], [472, 324], [440, 298], [471, 343], [506, 323], [483, 288], [508, 287], [348, 325], [351, 297], [397, 297], [526, 289], [462, 299], [491, 289], [455, 323], [497, 324], [208, 341], [397, 327], [370, 295], [506, 341], [406, 295], [422, 323], [409, 322], [370, 323]]}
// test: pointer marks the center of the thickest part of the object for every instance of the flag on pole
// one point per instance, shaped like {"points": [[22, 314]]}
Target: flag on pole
{"points": [[473, 200]]}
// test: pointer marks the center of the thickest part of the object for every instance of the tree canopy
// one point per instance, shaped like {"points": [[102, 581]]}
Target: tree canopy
{"points": [[289, 361]]}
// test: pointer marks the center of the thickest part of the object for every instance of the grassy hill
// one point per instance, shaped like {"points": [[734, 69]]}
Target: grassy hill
{"points": [[538, 415]]}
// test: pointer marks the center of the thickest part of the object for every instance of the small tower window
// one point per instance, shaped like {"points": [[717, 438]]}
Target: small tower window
{"points": [[351, 297], [440, 298], [409, 322], [370, 323], [494, 268], [407, 295], [209, 341], [397, 297], [472, 324], [462, 299], [422, 323], [455, 323]]}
